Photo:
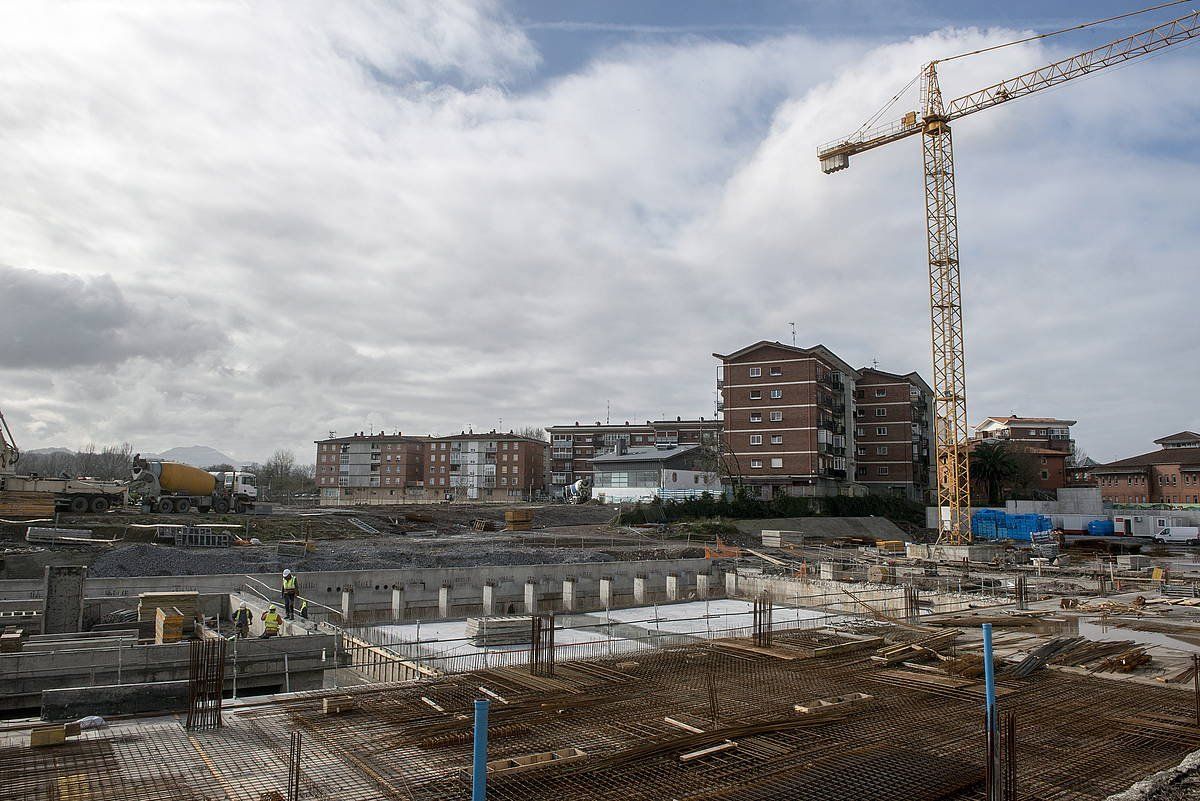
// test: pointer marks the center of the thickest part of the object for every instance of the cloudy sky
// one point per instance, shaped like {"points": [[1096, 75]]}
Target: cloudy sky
{"points": [[245, 224]]}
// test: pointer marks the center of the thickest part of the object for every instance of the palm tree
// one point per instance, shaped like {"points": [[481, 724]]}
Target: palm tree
{"points": [[992, 464]]}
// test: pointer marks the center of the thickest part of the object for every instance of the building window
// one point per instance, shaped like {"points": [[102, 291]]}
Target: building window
{"points": [[881, 431], [1045, 475], [860, 431], [883, 470], [776, 417], [755, 417], [756, 439], [776, 371], [881, 393], [777, 439], [755, 372], [755, 463], [881, 450], [777, 393], [756, 394], [777, 462], [881, 412]]}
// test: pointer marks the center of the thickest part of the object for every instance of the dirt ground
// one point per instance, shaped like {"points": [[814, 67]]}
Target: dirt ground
{"points": [[425, 536]]}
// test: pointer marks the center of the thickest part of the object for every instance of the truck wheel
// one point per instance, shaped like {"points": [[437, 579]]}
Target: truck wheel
{"points": [[221, 506], [79, 504], [239, 508], [99, 504], [183, 505], [164, 506]]}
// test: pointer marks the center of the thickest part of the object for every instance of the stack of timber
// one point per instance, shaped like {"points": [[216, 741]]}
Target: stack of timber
{"points": [[518, 519], [77, 536], [26, 504], [927, 647], [168, 625], [185, 604], [506, 630], [10, 640], [776, 539]]}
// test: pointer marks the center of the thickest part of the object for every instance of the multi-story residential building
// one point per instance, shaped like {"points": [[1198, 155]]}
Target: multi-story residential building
{"points": [[1169, 475], [893, 434], [1046, 439], [788, 424], [572, 447], [488, 466], [365, 468]]}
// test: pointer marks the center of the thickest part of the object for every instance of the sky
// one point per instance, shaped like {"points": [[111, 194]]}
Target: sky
{"points": [[247, 224]]}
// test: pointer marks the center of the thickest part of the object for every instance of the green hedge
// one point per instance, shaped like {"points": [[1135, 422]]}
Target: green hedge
{"points": [[741, 506]]}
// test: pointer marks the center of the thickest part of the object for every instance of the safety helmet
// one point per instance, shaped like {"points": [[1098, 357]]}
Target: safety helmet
{"points": [[287, 572], [272, 609]]}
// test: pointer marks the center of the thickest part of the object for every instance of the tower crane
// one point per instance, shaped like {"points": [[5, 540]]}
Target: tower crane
{"points": [[8, 448], [932, 123]]}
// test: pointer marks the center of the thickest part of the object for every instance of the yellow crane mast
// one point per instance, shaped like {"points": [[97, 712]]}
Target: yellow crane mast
{"points": [[941, 220]]}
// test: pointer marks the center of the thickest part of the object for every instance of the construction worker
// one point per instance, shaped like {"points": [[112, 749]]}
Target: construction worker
{"points": [[304, 609], [241, 621], [290, 591], [271, 623]]}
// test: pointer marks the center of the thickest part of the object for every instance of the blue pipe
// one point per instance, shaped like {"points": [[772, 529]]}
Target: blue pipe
{"points": [[989, 676], [479, 770]]}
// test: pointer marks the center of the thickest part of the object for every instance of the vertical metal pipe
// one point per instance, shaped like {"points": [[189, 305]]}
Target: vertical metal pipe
{"points": [[479, 768], [989, 675]]}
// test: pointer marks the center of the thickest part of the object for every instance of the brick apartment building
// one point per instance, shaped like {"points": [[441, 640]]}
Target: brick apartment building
{"points": [[572, 447], [488, 466], [788, 420], [893, 434], [370, 467], [1169, 475], [1048, 439]]}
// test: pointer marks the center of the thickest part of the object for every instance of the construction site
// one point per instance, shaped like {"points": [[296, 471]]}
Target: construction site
{"points": [[171, 636]]}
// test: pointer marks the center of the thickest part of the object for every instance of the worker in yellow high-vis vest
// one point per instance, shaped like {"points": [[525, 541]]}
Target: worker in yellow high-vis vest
{"points": [[272, 622], [290, 590]]}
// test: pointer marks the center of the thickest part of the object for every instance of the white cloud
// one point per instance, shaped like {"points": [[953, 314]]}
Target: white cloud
{"points": [[379, 221]]}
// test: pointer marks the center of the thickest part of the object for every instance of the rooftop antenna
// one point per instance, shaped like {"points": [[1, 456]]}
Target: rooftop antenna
{"points": [[875, 363], [332, 434], [607, 412], [793, 325]]}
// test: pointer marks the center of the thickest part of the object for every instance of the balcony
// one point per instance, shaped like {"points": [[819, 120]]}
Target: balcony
{"points": [[832, 381], [830, 472], [829, 424], [720, 384], [562, 454]]}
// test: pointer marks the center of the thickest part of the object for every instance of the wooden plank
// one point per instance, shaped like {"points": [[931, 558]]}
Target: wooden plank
{"points": [[679, 724], [728, 745], [47, 735]]}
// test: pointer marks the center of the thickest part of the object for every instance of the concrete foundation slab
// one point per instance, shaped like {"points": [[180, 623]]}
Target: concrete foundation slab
{"points": [[953, 553], [70, 703]]}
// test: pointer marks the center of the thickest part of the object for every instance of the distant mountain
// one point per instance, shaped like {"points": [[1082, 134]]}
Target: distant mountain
{"points": [[196, 456], [50, 450]]}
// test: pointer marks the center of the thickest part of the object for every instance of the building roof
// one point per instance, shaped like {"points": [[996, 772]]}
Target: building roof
{"points": [[1014, 420], [699, 423], [816, 350], [1179, 456], [481, 435], [645, 454], [913, 377], [1182, 436], [380, 437]]}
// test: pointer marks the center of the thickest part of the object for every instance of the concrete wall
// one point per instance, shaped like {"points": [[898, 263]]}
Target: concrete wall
{"points": [[255, 666], [371, 591]]}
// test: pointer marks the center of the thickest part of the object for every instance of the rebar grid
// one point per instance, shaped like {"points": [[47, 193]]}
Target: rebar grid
{"points": [[1080, 737]]}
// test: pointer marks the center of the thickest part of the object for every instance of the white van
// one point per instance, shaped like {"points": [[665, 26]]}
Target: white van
{"points": [[1179, 535]]}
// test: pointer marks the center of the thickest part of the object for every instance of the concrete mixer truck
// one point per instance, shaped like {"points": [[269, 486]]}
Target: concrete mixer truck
{"points": [[173, 487]]}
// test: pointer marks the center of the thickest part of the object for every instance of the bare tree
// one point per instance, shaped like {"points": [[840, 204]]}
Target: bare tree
{"points": [[533, 432]]}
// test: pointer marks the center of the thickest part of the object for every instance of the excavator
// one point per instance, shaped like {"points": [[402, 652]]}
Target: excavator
{"points": [[33, 495]]}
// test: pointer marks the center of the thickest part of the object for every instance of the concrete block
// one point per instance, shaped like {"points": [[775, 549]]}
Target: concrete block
{"points": [[639, 589], [71, 703], [672, 587], [63, 594], [531, 597], [568, 593], [347, 605], [731, 584], [489, 599], [445, 604], [702, 585], [606, 592], [398, 603]]}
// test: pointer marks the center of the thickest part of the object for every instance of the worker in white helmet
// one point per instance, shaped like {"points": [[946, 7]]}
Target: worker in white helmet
{"points": [[241, 620], [290, 590]]}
